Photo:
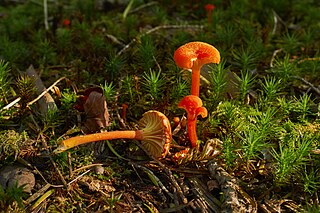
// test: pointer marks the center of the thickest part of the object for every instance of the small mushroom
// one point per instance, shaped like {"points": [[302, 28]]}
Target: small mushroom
{"points": [[209, 8], [193, 105], [154, 134], [194, 55]]}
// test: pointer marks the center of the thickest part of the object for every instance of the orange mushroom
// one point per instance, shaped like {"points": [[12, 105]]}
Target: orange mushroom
{"points": [[124, 111], [194, 55], [209, 8], [193, 105], [154, 134]]}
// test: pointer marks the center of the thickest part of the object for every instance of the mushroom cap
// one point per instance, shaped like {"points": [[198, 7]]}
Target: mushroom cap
{"points": [[193, 105], [209, 7], [157, 134], [198, 51]]}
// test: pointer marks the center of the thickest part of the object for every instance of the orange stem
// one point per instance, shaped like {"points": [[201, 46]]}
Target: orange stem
{"points": [[209, 16], [192, 132], [195, 81], [83, 139]]}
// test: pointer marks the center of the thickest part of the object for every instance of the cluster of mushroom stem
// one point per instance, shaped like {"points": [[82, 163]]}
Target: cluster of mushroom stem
{"points": [[155, 130], [194, 55]]}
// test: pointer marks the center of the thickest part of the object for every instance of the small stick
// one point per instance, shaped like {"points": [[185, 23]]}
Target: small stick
{"points": [[45, 91], [70, 165], [88, 166], [41, 199], [11, 104], [274, 56], [173, 180], [38, 193], [308, 83], [156, 29], [58, 171], [149, 172], [308, 59], [115, 40], [78, 177]]}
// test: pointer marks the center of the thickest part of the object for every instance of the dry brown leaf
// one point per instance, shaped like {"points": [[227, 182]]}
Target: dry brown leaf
{"points": [[96, 111]]}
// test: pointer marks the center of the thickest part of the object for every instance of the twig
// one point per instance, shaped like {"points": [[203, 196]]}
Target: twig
{"points": [[115, 40], [38, 193], [176, 188], [308, 83], [204, 196], [78, 177], [156, 29], [174, 182], [8, 106], [308, 59], [26, 163], [58, 171], [70, 165], [154, 177], [274, 56], [276, 18], [89, 166], [46, 102], [45, 91], [41, 199], [155, 60]]}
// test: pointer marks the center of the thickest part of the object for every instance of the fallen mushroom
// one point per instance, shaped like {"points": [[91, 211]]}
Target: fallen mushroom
{"points": [[193, 105], [154, 134], [194, 55]]}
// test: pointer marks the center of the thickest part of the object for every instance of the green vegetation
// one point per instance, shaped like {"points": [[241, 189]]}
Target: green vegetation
{"points": [[262, 99]]}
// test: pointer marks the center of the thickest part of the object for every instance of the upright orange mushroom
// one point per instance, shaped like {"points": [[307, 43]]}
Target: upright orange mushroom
{"points": [[209, 8], [193, 105], [154, 134], [194, 55]]}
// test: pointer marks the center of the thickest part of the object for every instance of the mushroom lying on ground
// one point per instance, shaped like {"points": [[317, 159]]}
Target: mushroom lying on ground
{"points": [[194, 55], [193, 105], [154, 134]]}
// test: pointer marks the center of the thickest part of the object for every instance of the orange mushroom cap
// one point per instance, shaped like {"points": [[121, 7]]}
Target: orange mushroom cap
{"points": [[193, 105], [157, 134], [209, 7], [196, 51]]}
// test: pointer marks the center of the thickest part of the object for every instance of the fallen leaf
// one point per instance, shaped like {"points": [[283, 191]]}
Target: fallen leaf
{"points": [[94, 104]]}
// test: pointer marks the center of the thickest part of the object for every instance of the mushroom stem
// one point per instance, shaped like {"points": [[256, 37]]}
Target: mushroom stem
{"points": [[195, 81], [83, 139], [193, 105], [209, 16], [154, 133], [192, 132]]}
